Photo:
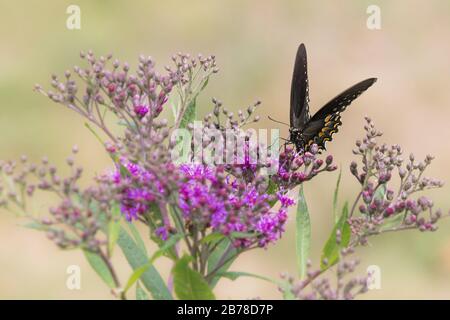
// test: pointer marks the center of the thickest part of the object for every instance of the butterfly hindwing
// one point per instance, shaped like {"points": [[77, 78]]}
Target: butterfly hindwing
{"points": [[327, 120], [299, 112], [321, 130]]}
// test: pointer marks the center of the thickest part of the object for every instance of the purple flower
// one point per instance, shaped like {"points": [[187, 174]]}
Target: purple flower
{"points": [[228, 205], [141, 110], [162, 232], [138, 190], [285, 201]]}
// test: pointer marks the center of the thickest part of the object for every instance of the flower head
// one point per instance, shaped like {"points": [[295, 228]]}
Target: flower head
{"points": [[211, 199]]}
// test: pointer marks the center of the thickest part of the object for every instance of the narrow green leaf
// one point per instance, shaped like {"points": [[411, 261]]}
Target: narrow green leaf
{"points": [[176, 216], [190, 114], [272, 189], [392, 222], [137, 237], [237, 235], [174, 110], [136, 257], [113, 229], [212, 237], [113, 235], [124, 123], [204, 84], [189, 284], [122, 169], [284, 285], [335, 197], [332, 249], [140, 293], [216, 255], [303, 233], [94, 133], [100, 267], [36, 226], [137, 273], [168, 244], [380, 192], [233, 275]]}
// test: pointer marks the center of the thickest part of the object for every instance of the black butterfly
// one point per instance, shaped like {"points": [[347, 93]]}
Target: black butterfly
{"points": [[319, 129]]}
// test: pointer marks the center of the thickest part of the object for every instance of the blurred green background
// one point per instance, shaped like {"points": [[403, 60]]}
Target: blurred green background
{"points": [[255, 44]]}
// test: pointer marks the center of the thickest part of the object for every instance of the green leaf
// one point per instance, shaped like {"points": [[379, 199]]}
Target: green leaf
{"points": [[137, 237], [140, 293], [113, 229], [94, 133], [237, 234], [284, 285], [216, 255], [176, 216], [172, 241], [212, 237], [332, 249], [123, 171], [392, 222], [168, 244], [113, 235], [124, 123], [204, 84], [137, 273], [380, 192], [189, 284], [174, 110], [233, 275], [303, 233], [335, 197], [36, 226], [190, 114], [100, 267], [272, 189], [136, 257]]}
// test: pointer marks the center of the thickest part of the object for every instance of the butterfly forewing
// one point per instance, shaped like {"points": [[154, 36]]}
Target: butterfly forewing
{"points": [[343, 100], [299, 112], [327, 120]]}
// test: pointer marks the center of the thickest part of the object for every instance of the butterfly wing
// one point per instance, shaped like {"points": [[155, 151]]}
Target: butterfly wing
{"points": [[327, 120], [299, 113]]}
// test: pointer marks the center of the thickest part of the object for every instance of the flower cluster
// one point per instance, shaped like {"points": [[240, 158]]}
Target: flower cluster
{"points": [[323, 288], [379, 204], [138, 189], [298, 167], [129, 97], [210, 198], [243, 117], [72, 223], [22, 179]]}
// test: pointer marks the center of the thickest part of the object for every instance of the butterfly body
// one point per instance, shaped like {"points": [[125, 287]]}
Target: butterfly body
{"points": [[318, 129], [296, 137]]}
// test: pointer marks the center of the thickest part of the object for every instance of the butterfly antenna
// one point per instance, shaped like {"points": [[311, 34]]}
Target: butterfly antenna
{"points": [[286, 141], [270, 118]]}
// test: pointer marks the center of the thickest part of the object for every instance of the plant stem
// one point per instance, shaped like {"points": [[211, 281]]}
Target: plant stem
{"points": [[113, 274]]}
